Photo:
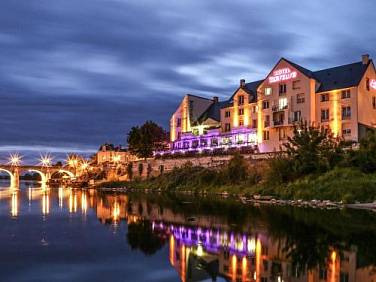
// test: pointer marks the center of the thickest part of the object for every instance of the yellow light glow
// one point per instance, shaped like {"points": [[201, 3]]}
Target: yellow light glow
{"points": [[200, 251], [83, 203], [61, 196], [116, 158], [246, 116], [173, 129], [333, 266], [45, 204], [336, 112], [45, 160], [259, 122], [244, 268], [251, 246], [14, 204], [233, 267], [258, 261], [116, 211], [183, 263], [172, 249], [15, 159]]}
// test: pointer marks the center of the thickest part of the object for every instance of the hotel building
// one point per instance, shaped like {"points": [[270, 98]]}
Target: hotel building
{"points": [[261, 114]]}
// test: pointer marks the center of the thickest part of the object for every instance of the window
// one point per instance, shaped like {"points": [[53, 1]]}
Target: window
{"points": [[324, 97], [265, 104], [254, 109], [241, 123], [227, 114], [265, 135], [241, 100], [268, 91], [265, 264], [295, 84], [254, 123], [300, 98], [374, 102], [346, 131], [344, 277], [178, 122], [297, 116], [367, 84], [282, 89], [325, 115], [345, 94], [346, 112], [227, 127], [264, 279], [282, 103], [241, 112], [267, 121], [282, 134]]}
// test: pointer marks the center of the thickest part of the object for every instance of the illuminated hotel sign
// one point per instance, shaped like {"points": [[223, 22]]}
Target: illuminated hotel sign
{"points": [[373, 83], [282, 75]]}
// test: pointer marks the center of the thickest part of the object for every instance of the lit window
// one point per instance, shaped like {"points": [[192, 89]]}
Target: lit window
{"points": [[300, 98], [268, 91], [241, 112], [324, 97], [254, 109], [345, 94], [241, 123], [282, 103]]}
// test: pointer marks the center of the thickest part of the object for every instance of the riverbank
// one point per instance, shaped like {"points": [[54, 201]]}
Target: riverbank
{"points": [[347, 185]]}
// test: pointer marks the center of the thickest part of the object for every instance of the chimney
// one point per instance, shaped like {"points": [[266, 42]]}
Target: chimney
{"points": [[365, 59], [215, 99], [242, 83]]}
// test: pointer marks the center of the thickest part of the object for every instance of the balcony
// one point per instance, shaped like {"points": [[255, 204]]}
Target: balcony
{"points": [[278, 122], [277, 108]]}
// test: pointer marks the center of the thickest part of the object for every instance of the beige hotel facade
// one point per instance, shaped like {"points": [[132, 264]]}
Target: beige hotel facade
{"points": [[261, 114]]}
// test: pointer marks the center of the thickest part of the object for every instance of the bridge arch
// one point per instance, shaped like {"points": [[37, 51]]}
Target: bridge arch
{"points": [[63, 171], [42, 175], [12, 177]]}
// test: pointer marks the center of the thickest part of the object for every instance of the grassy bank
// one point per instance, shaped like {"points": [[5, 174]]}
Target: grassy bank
{"points": [[340, 184]]}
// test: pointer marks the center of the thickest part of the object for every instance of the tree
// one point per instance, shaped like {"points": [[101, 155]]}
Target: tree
{"points": [[365, 157], [144, 140]]}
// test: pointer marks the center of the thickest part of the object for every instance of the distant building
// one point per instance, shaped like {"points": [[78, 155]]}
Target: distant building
{"points": [[108, 153], [262, 113]]}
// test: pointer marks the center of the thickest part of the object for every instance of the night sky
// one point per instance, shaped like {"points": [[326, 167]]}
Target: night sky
{"points": [[77, 73]]}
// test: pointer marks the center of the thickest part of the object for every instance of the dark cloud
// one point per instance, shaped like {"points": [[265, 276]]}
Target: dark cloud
{"points": [[75, 74]]}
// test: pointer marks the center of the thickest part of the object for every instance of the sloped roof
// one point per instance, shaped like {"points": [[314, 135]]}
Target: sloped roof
{"points": [[304, 71], [213, 112], [340, 77]]}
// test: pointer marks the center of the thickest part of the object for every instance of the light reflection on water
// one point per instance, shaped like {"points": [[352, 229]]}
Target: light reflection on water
{"points": [[65, 234]]}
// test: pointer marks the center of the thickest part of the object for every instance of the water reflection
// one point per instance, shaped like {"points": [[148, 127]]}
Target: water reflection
{"points": [[211, 240]]}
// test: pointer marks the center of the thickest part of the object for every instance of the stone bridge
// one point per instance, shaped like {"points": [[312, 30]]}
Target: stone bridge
{"points": [[46, 172]]}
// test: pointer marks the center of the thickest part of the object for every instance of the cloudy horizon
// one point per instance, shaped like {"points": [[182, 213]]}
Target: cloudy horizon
{"points": [[73, 76]]}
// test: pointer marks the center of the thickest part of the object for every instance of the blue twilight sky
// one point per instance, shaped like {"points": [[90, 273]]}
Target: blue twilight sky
{"points": [[74, 74]]}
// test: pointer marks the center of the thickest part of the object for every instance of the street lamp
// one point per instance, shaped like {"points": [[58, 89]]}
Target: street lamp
{"points": [[45, 160], [15, 159]]}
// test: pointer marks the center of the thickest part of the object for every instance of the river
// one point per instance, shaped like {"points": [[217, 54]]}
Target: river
{"points": [[64, 234]]}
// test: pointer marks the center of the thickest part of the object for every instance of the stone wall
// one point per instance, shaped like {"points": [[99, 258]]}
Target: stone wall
{"points": [[167, 165]]}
